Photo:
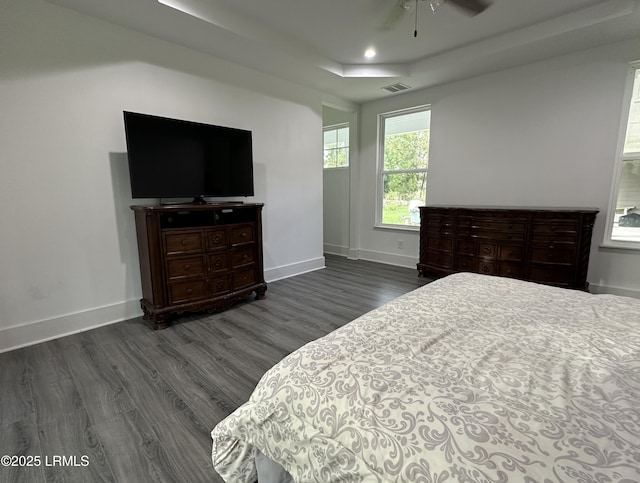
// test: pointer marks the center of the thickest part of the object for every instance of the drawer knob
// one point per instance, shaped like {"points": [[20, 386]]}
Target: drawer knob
{"points": [[189, 291], [245, 256], [185, 242], [244, 234], [187, 267], [219, 284]]}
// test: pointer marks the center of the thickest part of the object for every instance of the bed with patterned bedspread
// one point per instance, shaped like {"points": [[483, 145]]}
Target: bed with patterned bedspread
{"points": [[470, 378]]}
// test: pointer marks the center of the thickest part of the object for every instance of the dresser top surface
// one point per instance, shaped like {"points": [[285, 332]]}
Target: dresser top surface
{"points": [[195, 206], [516, 208]]}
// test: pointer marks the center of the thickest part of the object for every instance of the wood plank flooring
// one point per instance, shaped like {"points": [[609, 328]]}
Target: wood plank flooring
{"points": [[136, 405]]}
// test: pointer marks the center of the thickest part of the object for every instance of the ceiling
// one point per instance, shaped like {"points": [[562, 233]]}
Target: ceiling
{"points": [[321, 43]]}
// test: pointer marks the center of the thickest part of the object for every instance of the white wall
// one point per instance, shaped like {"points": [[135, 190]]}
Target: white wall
{"points": [[68, 256], [540, 135], [336, 188]]}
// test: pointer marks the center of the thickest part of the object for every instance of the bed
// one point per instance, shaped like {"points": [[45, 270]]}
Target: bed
{"points": [[471, 378]]}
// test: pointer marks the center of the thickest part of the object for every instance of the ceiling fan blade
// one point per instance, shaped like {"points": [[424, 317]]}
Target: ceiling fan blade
{"points": [[399, 10], [473, 7]]}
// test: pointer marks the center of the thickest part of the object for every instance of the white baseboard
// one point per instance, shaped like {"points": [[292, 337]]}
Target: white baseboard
{"points": [[31, 333], [298, 268], [336, 250], [604, 289], [387, 258], [42, 330]]}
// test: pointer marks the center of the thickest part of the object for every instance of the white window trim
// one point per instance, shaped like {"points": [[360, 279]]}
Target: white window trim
{"points": [[380, 171], [608, 242], [334, 127]]}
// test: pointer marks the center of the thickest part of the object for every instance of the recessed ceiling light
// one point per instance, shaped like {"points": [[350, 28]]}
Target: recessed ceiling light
{"points": [[370, 53]]}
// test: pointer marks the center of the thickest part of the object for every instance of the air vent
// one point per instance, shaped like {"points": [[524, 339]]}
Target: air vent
{"points": [[396, 87]]}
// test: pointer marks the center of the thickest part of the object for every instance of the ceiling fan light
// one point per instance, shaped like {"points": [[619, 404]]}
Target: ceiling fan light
{"points": [[370, 53]]}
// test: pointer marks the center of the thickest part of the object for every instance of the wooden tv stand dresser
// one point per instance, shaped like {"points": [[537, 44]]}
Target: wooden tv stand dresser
{"points": [[542, 245], [198, 257]]}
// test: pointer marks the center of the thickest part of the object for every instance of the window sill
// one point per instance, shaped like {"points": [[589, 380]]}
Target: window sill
{"points": [[620, 245], [407, 228]]}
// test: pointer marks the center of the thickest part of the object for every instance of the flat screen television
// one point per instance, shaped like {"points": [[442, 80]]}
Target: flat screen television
{"points": [[172, 158]]}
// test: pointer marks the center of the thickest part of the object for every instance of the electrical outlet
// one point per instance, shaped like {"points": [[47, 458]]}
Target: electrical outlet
{"points": [[401, 244]]}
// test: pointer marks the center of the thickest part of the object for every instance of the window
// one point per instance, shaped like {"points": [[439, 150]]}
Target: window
{"points": [[402, 167], [336, 146], [624, 219]]}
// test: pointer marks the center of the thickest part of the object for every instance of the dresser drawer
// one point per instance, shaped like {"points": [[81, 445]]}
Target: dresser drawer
{"points": [[497, 235], [243, 234], [242, 257], [505, 226], [466, 247], [439, 259], [551, 275], [183, 242], [216, 239], [552, 254], [180, 292], [510, 252], [466, 264], [512, 270], [555, 238], [178, 268], [243, 278], [488, 250], [218, 262], [440, 244], [219, 285], [556, 226], [440, 224], [487, 267]]}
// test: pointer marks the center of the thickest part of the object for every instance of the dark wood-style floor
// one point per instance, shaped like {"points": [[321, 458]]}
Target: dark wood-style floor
{"points": [[125, 403]]}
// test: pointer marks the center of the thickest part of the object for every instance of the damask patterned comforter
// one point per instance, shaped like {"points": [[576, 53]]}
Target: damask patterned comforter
{"points": [[470, 378]]}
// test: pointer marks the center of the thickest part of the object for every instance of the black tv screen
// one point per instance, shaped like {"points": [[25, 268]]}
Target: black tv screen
{"points": [[172, 158]]}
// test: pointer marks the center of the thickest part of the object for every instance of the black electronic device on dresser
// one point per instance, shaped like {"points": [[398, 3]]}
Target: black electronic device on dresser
{"points": [[544, 245], [175, 158]]}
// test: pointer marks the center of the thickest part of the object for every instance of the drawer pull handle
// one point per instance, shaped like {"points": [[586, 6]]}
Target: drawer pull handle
{"points": [[185, 242], [189, 291], [187, 267], [245, 256], [244, 234]]}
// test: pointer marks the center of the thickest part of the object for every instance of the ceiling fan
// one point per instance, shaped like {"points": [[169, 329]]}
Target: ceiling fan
{"points": [[471, 7]]}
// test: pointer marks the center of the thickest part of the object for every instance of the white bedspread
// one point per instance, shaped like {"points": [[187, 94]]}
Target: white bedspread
{"points": [[471, 378]]}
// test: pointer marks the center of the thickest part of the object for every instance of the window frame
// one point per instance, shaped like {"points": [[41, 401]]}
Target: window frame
{"points": [[380, 172], [347, 148], [620, 158]]}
